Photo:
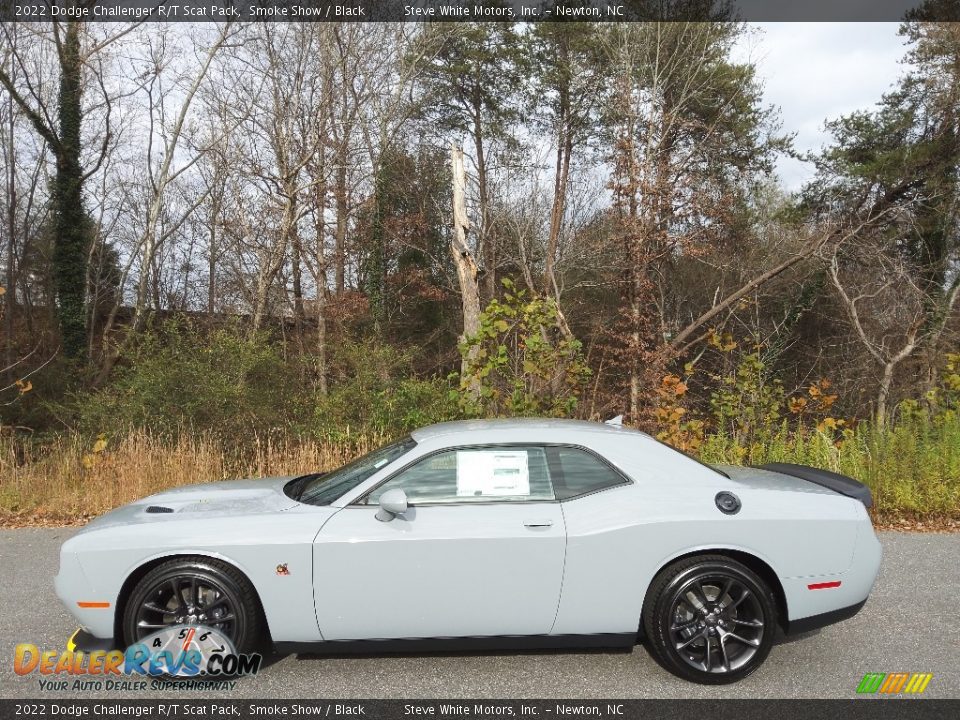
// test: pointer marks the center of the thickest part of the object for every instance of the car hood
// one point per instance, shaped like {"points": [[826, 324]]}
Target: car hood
{"points": [[228, 497]]}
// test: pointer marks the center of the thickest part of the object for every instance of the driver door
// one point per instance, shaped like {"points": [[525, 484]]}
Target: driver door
{"points": [[479, 552]]}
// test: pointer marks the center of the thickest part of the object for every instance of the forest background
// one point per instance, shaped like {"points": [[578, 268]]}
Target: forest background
{"points": [[254, 249]]}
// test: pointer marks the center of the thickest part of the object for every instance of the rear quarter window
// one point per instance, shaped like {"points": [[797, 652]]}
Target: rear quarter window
{"points": [[583, 473]]}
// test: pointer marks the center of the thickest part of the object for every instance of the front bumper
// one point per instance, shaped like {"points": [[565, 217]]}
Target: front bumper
{"points": [[83, 641], [93, 611]]}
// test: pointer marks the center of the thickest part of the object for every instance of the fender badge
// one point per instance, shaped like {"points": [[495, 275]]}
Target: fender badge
{"points": [[282, 569]]}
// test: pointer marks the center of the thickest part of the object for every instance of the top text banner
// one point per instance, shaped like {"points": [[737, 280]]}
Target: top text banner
{"points": [[463, 10]]}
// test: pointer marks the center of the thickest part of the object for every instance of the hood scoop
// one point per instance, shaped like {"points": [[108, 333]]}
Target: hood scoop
{"points": [[158, 509]]}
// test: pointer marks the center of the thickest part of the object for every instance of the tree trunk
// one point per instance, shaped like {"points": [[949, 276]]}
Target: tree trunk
{"points": [[377, 264], [486, 245], [465, 264], [636, 269], [71, 237], [212, 258], [564, 150], [9, 299], [143, 282], [320, 230], [266, 277], [634, 361], [70, 224], [883, 394], [342, 209], [297, 272], [270, 265], [889, 367], [322, 335]]}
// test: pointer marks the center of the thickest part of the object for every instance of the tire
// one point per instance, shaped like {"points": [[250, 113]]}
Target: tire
{"points": [[211, 592], [710, 619]]}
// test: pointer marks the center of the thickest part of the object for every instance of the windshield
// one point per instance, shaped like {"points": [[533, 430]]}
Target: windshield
{"points": [[324, 488]]}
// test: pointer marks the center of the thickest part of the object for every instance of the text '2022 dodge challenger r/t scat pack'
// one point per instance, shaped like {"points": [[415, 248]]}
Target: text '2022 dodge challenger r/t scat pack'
{"points": [[489, 534]]}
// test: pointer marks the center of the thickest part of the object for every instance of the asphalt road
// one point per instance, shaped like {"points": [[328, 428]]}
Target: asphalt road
{"points": [[909, 624]]}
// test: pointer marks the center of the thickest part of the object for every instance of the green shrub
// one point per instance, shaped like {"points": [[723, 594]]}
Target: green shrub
{"points": [[178, 377], [373, 391], [519, 362], [748, 402]]}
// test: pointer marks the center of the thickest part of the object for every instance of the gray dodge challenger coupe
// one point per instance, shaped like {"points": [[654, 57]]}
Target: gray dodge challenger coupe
{"points": [[488, 534]]}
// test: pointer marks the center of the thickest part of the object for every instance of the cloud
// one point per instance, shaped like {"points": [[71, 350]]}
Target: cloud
{"points": [[818, 71]]}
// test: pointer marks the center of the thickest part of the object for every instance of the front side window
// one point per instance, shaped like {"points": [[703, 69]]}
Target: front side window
{"points": [[323, 489], [477, 474]]}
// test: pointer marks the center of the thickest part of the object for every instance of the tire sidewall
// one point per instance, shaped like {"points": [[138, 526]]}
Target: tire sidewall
{"points": [[662, 620]]}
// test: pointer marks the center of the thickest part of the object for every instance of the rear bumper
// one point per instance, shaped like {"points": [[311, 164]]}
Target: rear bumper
{"points": [[815, 622], [817, 601]]}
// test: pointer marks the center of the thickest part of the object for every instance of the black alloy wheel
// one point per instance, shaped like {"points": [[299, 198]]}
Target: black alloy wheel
{"points": [[710, 619], [194, 591]]}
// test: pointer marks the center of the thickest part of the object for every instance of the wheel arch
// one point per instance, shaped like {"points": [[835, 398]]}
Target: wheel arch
{"points": [[137, 574], [753, 562]]}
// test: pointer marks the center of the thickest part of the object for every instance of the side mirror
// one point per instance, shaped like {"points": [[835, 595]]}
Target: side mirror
{"points": [[392, 503]]}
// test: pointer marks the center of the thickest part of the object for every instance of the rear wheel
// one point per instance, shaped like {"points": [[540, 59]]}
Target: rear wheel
{"points": [[195, 591], [710, 619]]}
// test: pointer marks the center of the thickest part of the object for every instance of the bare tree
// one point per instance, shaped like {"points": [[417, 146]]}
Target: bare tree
{"points": [[568, 88], [166, 162], [168, 165], [287, 115], [78, 54], [463, 258], [890, 310], [688, 134]]}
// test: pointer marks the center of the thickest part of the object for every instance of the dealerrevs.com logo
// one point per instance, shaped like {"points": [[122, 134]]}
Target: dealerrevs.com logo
{"points": [[183, 652]]}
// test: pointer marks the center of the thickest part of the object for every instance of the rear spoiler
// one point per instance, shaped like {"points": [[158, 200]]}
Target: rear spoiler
{"points": [[831, 480]]}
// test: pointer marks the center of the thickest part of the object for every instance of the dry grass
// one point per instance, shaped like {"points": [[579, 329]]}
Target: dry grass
{"points": [[69, 479], [913, 468]]}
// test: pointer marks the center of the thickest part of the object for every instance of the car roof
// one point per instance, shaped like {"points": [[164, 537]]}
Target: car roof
{"points": [[525, 429]]}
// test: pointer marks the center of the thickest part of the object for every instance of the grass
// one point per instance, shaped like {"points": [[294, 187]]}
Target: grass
{"points": [[71, 479], [912, 467]]}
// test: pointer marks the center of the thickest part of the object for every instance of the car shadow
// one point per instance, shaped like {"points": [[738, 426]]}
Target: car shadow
{"points": [[272, 658], [461, 653], [784, 639]]}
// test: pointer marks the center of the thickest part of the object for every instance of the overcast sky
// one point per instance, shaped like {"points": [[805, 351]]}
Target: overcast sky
{"points": [[816, 71]]}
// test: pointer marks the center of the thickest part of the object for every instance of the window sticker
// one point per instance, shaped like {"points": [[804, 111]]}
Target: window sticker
{"points": [[492, 473]]}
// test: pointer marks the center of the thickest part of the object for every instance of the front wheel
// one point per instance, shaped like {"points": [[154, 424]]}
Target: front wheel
{"points": [[195, 591], [710, 619]]}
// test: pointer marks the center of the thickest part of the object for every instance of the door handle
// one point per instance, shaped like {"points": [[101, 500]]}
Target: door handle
{"points": [[538, 523]]}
